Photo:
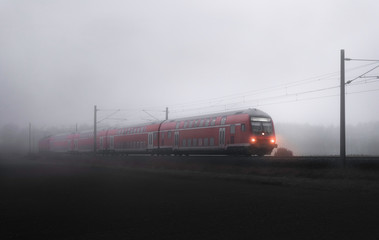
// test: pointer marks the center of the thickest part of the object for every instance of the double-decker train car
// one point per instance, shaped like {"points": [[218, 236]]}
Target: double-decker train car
{"points": [[239, 132], [247, 132]]}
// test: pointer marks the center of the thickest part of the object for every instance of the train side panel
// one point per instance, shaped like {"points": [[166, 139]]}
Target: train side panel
{"points": [[243, 132]]}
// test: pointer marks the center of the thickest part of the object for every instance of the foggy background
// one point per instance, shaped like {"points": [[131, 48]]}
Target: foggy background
{"points": [[60, 58]]}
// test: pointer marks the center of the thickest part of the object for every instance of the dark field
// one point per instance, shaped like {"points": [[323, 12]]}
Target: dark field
{"points": [[84, 197]]}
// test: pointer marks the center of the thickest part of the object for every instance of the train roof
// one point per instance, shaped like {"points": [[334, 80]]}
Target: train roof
{"points": [[252, 112]]}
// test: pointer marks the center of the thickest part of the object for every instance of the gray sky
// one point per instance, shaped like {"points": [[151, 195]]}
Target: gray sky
{"points": [[60, 58]]}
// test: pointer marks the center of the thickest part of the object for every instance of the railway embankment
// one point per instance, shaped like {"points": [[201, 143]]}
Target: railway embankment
{"points": [[323, 172]]}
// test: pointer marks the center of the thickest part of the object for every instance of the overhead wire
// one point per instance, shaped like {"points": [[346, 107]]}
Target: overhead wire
{"points": [[372, 69], [224, 98], [226, 102], [286, 86], [327, 76]]}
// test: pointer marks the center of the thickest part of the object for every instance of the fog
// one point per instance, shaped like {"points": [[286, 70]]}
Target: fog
{"points": [[318, 140], [60, 58]]}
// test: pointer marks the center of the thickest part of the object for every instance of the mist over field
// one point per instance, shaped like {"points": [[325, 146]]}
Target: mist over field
{"points": [[318, 140]]}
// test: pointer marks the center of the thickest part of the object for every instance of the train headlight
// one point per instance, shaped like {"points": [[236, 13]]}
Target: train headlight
{"points": [[272, 140], [253, 140]]}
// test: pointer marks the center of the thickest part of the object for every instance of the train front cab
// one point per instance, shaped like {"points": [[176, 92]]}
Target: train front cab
{"points": [[262, 137]]}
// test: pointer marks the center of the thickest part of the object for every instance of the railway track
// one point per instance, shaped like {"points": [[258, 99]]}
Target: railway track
{"points": [[218, 161]]}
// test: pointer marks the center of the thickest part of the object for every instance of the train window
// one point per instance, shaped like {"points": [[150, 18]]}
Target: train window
{"points": [[184, 143], [162, 135], [257, 127], [155, 135], [194, 141], [195, 124], [211, 141], [223, 120], [200, 141], [185, 124], [201, 122], [206, 122], [189, 142], [243, 128], [267, 128], [232, 129], [205, 141], [177, 125], [213, 122], [190, 124], [169, 134]]}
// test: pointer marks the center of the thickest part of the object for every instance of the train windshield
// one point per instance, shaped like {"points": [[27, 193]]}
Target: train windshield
{"points": [[262, 126]]}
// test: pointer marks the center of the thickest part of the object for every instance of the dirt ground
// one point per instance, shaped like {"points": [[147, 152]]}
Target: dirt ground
{"points": [[62, 200]]}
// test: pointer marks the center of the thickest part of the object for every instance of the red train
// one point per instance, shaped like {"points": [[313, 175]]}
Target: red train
{"points": [[247, 132]]}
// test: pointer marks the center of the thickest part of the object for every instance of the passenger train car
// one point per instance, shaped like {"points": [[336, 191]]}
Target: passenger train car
{"points": [[247, 132]]}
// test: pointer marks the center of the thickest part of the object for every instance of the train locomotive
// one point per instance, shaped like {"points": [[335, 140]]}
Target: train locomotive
{"points": [[246, 132]]}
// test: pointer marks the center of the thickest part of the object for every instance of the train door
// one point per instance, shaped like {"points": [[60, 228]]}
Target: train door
{"points": [[176, 140], [111, 143], [76, 145], [69, 145], [101, 147], [221, 137], [150, 140]]}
